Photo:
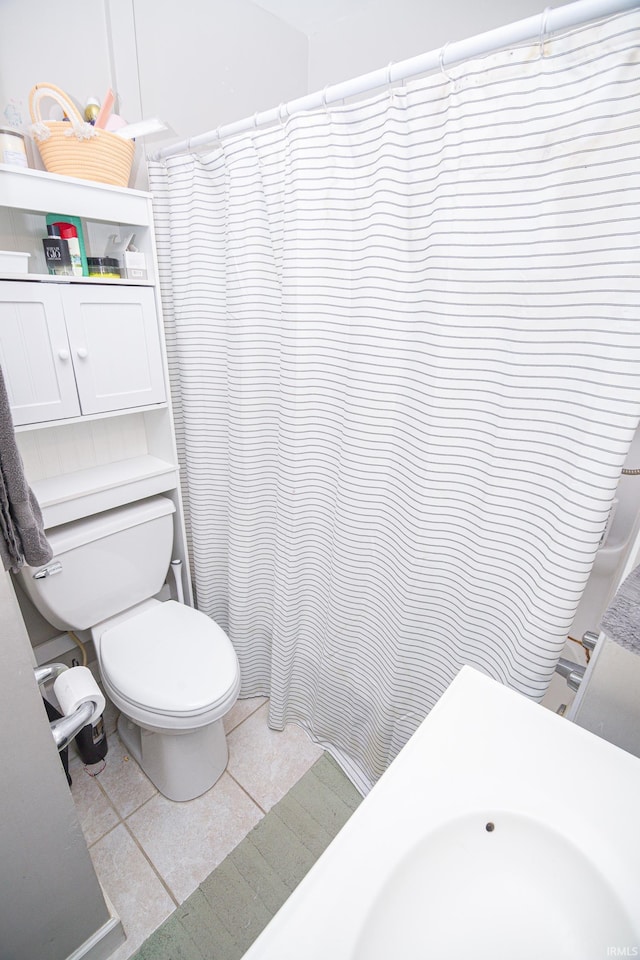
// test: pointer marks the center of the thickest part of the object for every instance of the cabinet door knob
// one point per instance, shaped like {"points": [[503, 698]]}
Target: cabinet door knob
{"points": [[82, 353], [63, 354]]}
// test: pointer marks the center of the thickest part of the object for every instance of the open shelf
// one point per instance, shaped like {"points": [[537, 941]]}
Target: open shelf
{"points": [[71, 496], [41, 192], [108, 415], [49, 278]]}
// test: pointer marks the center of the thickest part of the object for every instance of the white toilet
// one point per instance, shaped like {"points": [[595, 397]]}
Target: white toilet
{"points": [[170, 670]]}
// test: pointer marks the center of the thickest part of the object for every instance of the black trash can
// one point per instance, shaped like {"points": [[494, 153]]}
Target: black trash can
{"points": [[91, 743]]}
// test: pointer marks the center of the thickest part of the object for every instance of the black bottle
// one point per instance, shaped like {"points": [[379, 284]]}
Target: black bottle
{"points": [[56, 253]]}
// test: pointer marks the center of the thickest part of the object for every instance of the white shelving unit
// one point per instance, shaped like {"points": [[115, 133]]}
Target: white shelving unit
{"points": [[27, 195], [47, 278], [84, 359], [85, 492]]}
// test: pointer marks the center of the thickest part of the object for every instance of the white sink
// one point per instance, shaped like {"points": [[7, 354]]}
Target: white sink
{"points": [[500, 831]]}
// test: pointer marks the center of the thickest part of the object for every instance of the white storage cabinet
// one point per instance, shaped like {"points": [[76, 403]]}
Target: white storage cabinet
{"points": [[72, 350], [84, 358]]}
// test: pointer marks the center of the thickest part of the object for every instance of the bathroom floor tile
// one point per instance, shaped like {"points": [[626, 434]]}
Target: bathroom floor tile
{"points": [[138, 896], [241, 710], [267, 762], [185, 841], [95, 813], [123, 781]]}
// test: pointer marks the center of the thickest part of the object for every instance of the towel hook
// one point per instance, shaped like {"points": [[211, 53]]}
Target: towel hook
{"points": [[443, 50], [543, 30]]}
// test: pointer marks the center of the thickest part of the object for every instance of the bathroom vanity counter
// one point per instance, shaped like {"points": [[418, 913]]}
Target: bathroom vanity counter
{"points": [[462, 849]]}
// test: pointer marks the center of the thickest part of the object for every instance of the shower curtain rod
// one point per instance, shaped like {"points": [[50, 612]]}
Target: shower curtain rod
{"points": [[536, 27]]}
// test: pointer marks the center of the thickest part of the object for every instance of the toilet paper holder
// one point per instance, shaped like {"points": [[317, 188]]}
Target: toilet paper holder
{"points": [[66, 728]]}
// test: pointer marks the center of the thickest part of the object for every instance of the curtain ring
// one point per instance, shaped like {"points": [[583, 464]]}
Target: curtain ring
{"points": [[324, 97], [286, 114], [443, 50], [255, 120], [391, 62], [543, 30]]}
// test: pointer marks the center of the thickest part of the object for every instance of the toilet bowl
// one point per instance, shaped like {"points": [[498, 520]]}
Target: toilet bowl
{"points": [[169, 669], [173, 674]]}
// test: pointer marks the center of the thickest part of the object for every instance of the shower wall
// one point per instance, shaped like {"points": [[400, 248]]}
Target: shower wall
{"points": [[369, 35], [618, 552]]}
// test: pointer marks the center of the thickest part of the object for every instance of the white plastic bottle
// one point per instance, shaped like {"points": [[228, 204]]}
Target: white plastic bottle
{"points": [[69, 233]]}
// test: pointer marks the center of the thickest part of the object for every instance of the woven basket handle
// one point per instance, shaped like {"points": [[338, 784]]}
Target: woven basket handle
{"points": [[44, 90]]}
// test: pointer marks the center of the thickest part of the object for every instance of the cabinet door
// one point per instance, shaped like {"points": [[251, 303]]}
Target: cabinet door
{"points": [[115, 346], [35, 354]]}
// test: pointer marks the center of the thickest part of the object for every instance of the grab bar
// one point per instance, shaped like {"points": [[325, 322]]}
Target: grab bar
{"points": [[590, 639], [572, 672], [50, 671], [64, 729]]}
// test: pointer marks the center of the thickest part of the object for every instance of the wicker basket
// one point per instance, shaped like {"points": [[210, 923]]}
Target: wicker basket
{"points": [[75, 148]]}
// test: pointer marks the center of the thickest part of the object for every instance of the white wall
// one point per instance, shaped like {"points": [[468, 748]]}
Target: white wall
{"points": [[63, 44], [195, 63], [201, 63], [207, 62], [369, 35]]}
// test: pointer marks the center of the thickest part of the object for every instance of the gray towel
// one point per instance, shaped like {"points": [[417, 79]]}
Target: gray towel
{"points": [[621, 621], [23, 539]]}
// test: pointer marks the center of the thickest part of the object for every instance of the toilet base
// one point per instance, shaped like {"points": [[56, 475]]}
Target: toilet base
{"points": [[181, 765]]}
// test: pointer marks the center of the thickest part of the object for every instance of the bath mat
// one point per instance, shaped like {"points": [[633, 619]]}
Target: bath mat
{"points": [[222, 918]]}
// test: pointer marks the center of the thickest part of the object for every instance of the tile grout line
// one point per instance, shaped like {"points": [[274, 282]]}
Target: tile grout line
{"points": [[245, 791], [150, 861], [122, 821], [228, 911], [96, 780], [81, 767], [255, 710]]}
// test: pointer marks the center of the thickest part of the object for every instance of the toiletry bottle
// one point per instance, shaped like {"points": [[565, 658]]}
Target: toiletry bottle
{"points": [[69, 233], [91, 110], [59, 218], [56, 253]]}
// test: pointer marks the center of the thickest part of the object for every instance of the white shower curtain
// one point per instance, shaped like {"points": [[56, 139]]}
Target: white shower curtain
{"points": [[405, 346]]}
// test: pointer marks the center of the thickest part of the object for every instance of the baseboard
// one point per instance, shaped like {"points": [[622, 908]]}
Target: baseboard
{"points": [[104, 941], [54, 648]]}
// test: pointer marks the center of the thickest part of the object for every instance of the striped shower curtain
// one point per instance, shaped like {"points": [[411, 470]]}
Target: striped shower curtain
{"points": [[404, 341]]}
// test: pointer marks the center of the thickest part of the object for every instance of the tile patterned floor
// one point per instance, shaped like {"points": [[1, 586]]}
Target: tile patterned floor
{"points": [[151, 854]]}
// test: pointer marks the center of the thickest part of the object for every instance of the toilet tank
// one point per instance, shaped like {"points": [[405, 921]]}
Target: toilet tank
{"points": [[103, 564]]}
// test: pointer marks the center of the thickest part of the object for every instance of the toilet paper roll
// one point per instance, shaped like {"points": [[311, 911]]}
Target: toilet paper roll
{"points": [[75, 687]]}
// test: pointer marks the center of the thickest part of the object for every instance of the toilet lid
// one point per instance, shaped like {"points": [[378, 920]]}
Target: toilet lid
{"points": [[171, 659]]}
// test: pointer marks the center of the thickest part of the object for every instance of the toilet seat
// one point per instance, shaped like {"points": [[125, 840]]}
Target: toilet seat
{"points": [[170, 661]]}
